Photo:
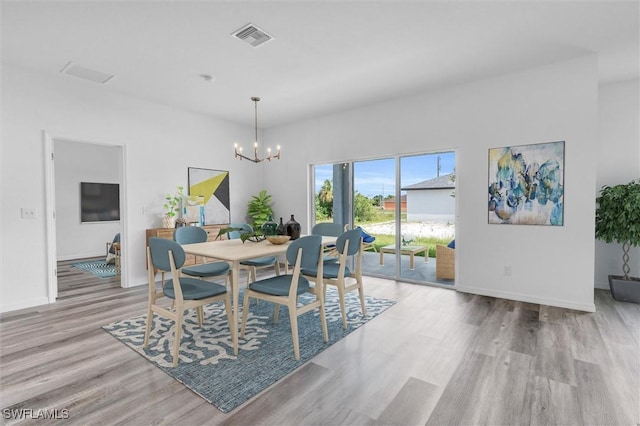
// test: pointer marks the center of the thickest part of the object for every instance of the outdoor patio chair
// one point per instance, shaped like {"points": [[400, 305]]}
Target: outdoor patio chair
{"points": [[445, 263]]}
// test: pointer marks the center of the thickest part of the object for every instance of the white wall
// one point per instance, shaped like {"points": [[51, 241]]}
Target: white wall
{"points": [[550, 265], [77, 162], [618, 162], [159, 142]]}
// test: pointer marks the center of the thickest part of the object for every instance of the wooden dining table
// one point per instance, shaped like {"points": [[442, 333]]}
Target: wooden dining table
{"points": [[235, 251]]}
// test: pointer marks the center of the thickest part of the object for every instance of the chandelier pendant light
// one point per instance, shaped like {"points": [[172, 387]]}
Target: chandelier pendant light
{"points": [[255, 158]]}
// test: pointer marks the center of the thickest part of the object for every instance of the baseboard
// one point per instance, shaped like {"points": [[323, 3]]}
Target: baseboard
{"points": [[24, 304], [528, 298], [81, 256]]}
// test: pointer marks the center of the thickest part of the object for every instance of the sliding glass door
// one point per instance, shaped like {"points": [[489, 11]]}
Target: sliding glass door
{"points": [[405, 206]]}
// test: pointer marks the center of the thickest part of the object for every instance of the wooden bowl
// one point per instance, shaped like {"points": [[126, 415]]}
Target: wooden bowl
{"points": [[278, 239]]}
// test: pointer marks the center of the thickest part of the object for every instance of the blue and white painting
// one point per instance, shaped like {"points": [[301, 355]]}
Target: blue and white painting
{"points": [[526, 184]]}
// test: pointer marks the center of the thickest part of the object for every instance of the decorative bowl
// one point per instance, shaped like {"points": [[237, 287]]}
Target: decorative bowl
{"points": [[278, 239]]}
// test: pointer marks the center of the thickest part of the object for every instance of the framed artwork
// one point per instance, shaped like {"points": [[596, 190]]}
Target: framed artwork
{"points": [[526, 184], [213, 187]]}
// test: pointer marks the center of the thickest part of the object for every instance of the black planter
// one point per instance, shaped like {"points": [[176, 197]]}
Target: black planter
{"points": [[293, 228], [625, 290], [281, 229]]}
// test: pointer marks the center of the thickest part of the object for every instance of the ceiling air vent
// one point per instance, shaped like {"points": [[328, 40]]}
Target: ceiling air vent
{"points": [[86, 73], [253, 35]]}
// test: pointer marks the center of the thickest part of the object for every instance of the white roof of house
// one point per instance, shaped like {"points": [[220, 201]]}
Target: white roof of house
{"points": [[440, 182]]}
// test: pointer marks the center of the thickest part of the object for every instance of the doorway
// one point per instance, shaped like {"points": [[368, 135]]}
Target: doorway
{"points": [[73, 236]]}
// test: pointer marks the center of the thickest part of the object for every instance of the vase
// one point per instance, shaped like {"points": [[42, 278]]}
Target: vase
{"points": [[269, 227], [293, 228], [281, 229], [168, 222]]}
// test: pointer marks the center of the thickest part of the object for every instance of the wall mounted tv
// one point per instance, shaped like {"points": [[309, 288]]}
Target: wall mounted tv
{"points": [[99, 202]]}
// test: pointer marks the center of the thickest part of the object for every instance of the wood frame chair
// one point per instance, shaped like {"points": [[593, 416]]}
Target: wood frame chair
{"points": [[252, 265], [167, 256], [329, 229], [285, 289], [339, 274], [195, 234]]}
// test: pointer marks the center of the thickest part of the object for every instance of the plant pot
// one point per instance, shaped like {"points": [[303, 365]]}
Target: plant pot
{"points": [[168, 222], [625, 290]]}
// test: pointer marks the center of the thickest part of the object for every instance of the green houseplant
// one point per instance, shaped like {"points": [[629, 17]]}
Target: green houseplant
{"points": [[172, 207], [259, 209], [618, 220]]}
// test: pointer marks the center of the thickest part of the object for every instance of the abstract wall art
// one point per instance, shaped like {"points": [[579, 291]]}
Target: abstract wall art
{"points": [[213, 186], [526, 184]]}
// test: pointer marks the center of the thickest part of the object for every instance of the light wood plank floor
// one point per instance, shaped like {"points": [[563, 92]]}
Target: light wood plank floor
{"points": [[437, 357]]}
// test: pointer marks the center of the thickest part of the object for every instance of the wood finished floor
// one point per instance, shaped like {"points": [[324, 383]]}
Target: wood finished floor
{"points": [[437, 357]]}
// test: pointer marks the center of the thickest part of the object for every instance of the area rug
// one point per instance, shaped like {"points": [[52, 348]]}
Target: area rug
{"points": [[207, 365], [97, 267]]}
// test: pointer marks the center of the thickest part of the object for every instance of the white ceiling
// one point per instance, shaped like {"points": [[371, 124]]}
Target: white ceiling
{"points": [[326, 56]]}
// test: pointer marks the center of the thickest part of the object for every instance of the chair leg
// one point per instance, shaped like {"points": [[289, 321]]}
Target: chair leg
{"points": [[200, 313], [277, 266], [276, 311], [343, 310], [362, 304], [148, 329], [323, 320], [178, 336], [293, 317], [245, 313]]}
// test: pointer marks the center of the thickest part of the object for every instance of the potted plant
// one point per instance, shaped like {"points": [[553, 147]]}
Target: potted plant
{"points": [[259, 209], [172, 207], [618, 220]]}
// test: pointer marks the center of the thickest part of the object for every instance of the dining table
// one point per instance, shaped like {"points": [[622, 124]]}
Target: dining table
{"points": [[235, 251]]}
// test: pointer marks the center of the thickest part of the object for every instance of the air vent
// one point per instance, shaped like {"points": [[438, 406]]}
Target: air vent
{"points": [[253, 35], [86, 73]]}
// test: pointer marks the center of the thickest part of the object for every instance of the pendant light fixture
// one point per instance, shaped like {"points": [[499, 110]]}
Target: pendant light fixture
{"points": [[255, 158]]}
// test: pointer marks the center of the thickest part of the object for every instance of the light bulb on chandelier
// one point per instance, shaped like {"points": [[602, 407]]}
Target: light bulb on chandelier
{"points": [[255, 158]]}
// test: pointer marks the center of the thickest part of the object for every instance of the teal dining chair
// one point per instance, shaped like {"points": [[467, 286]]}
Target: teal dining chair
{"points": [[285, 289], [339, 274], [195, 234], [168, 256], [252, 265]]}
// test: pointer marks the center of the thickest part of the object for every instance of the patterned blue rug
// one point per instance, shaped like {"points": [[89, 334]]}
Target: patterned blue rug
{"points": [[97, 267], [207, 365]]}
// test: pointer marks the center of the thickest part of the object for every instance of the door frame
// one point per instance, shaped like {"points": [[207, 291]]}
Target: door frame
{"points": [[50, 216]]}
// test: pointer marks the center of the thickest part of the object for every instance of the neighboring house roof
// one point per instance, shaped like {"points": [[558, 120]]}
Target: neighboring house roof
{"points": [[440, 182]]}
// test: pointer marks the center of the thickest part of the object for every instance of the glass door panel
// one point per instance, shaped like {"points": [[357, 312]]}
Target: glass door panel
{"points": [[374, 209], [427, 188]]}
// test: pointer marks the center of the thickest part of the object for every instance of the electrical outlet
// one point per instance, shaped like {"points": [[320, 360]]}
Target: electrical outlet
{"points": [[507, 271], [28, 213]]}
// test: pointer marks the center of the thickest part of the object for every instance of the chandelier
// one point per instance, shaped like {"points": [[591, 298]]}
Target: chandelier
{"points": [[255, 158]]}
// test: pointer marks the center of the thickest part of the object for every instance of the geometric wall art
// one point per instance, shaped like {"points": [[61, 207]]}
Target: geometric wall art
{"points": [[213, 185], [526, 184]]}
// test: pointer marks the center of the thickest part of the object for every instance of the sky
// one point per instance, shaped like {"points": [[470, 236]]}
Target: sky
{"points": [[377, 177]]}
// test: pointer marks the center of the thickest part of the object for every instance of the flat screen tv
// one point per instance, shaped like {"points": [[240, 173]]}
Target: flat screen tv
{"points": [[99, 202]]}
